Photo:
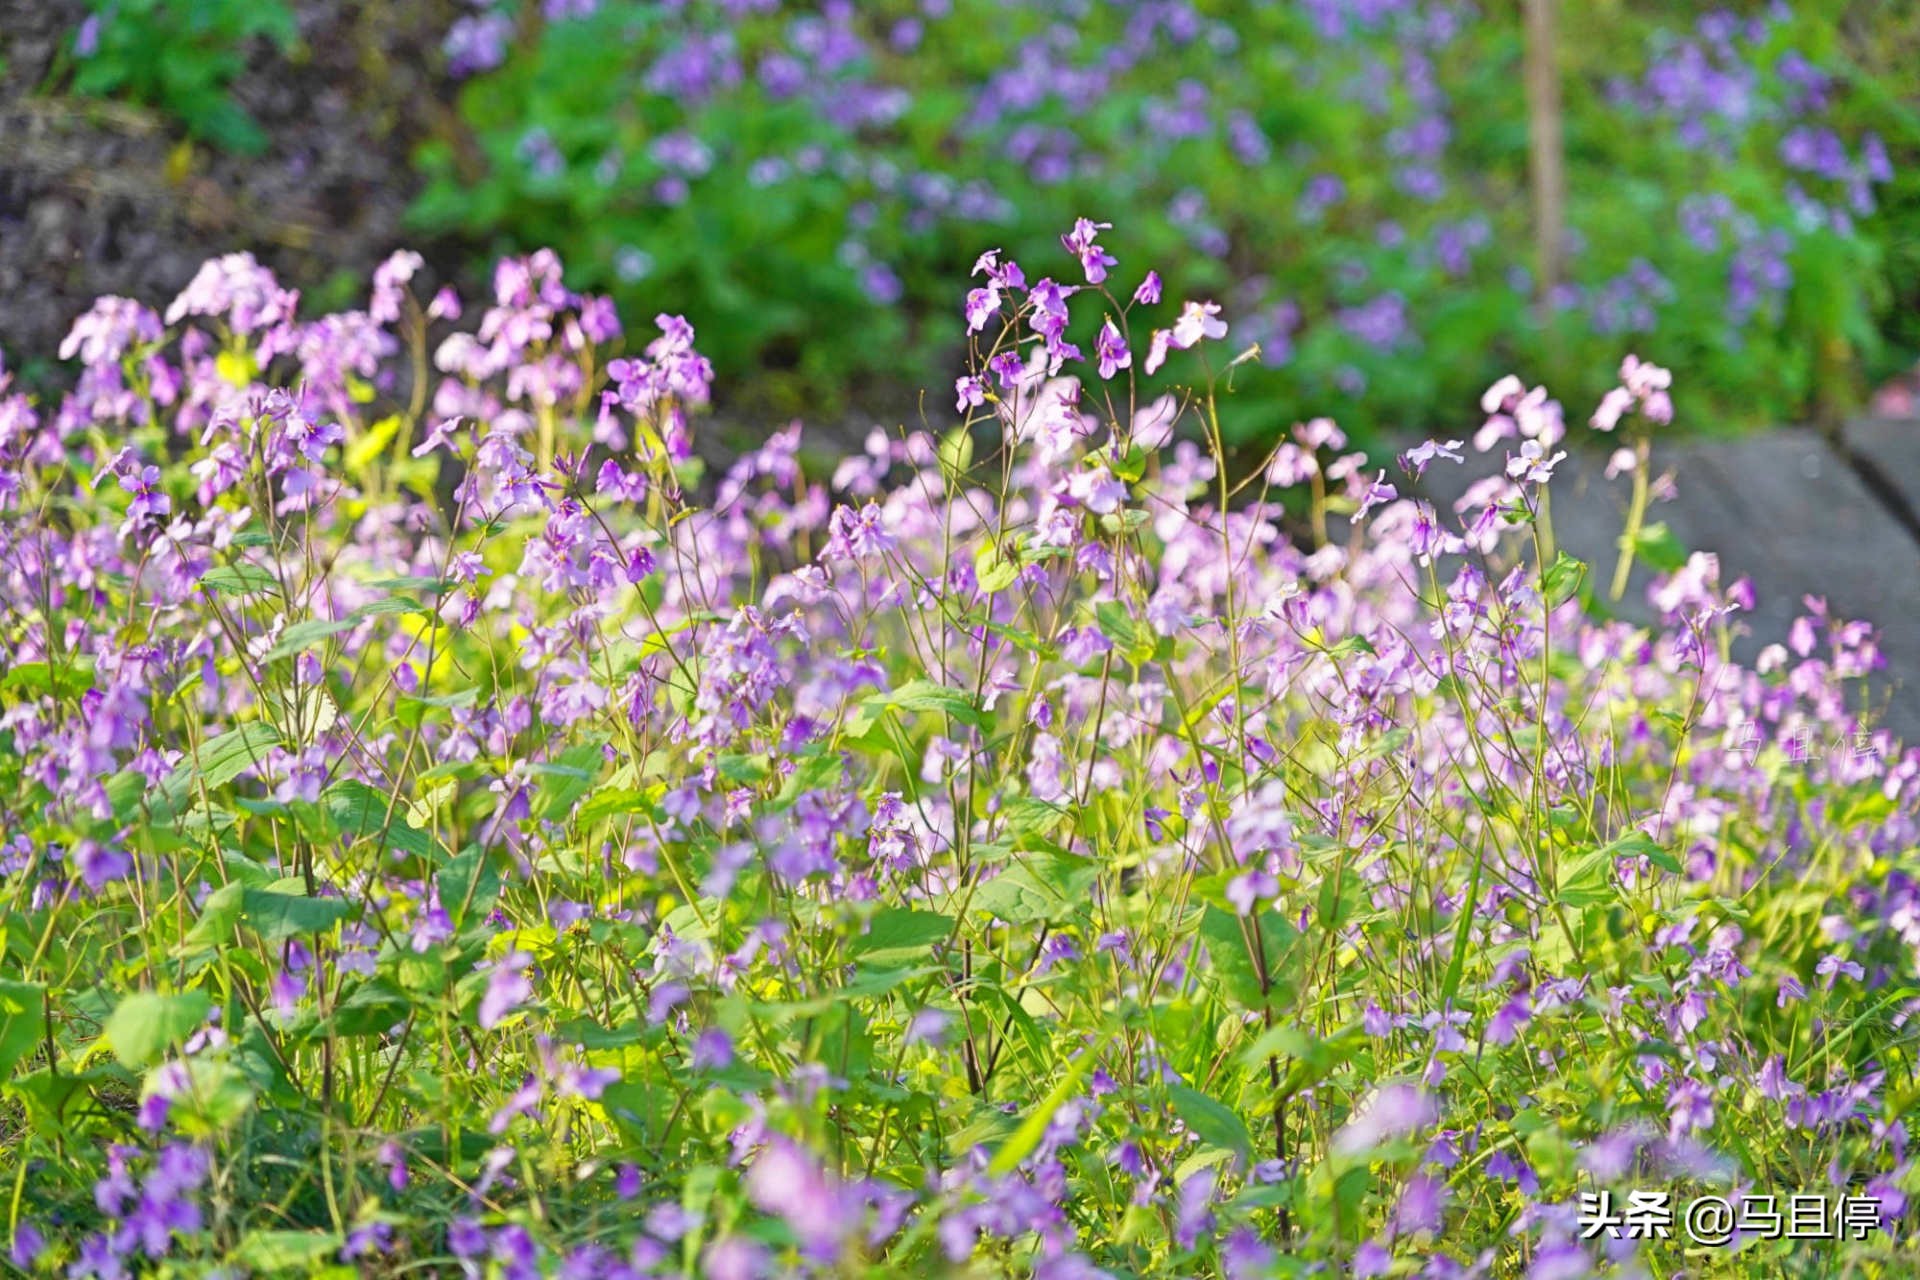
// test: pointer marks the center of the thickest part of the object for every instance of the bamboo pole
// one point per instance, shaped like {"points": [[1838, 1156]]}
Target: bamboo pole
{"points": [[1546, 144]]}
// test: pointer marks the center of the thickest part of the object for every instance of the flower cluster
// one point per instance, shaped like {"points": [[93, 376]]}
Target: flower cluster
{"points": [[446, 829]]}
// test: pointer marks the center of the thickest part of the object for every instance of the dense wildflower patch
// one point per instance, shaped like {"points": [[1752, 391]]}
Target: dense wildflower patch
{"points": [[1351, 177], [448, 832]]}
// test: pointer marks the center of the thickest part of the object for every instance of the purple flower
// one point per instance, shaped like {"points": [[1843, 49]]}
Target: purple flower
{"points": [[1389, 1112], [969, 393], [929, 1027], [477, 43], [1111, 349], [1422, 1205], [110, 328], [1414, 461], [507, 988], [982, 304], [787, 1181], [1246, 890], [1833, 965], [712, 1050], [100, 865], [1198, 320], [1080, 242], [27, 1246]]}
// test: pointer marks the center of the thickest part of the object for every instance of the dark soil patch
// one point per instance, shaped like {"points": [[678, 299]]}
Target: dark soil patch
{"points": [[104, 197]]}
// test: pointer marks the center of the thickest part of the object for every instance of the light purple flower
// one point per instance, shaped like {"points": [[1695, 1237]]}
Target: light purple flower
{"points": [[507, 988]]}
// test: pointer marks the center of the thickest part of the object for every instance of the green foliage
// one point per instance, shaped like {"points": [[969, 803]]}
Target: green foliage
{"points": [[1353, 188], [180, 56]]}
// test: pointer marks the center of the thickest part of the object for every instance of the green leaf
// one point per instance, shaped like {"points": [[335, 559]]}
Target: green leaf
{"points": [[1586, 878], [925, 695], [1135, 642], [285, 911], [898, 936], [468, 885], [1227, 940], [1040, 887], [362, 813], [45, 1094], [301, 636], [374, 1008], [286, 1252], [219, 917], [1562, 579], [1637, 844], [388, 605], [1658, 548], [41, 678], [239, 580], [220, 760], [814, 772], [22, 1021], [148, 1023], [1211, 1120], [993, 571], [567, 778], [956, 454], [218, 1096]]}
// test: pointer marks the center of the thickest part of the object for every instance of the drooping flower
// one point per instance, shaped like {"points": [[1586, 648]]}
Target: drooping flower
{"points": [[1111, 349]]}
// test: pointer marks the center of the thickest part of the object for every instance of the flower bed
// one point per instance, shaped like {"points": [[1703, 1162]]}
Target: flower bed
{"points": [[447, 833]]}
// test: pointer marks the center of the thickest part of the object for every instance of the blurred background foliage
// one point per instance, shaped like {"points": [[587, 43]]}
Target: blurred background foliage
{"points": [[809, 183]]}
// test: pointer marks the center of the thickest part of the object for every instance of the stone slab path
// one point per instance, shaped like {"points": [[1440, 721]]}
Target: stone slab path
{"points": [[1798, 513]]}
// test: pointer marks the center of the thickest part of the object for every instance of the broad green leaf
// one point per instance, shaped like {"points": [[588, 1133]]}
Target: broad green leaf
{"points": [[1211, 1120], [468, 885], [1134, 640], [1657, 548], [148, 1023], [1039, 887], [1228, 940], [239, 580], [925, 695], [1586, 878], [220, 760], [286, 1252], [218, 1097], [301, 636], [219, 917], [1562, 579], [899, 936], [22, 1021], [41, 678], [564, 780], [362, 813], [956, 454], [993, 571], [285, 911], [1637, 844]]}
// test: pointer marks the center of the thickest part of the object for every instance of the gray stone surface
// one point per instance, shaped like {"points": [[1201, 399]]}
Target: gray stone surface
{"points": [[1887, 452], [1785, 509]]}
